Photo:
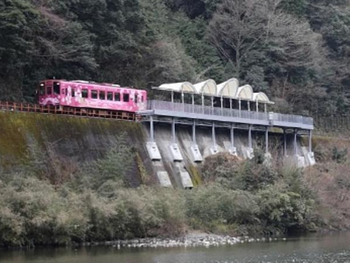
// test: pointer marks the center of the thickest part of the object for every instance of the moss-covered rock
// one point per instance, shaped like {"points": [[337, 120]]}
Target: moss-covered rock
{"points": [[72, 140]]}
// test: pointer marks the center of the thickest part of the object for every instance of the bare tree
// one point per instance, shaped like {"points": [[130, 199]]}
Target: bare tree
{"points": [[242, 26]]}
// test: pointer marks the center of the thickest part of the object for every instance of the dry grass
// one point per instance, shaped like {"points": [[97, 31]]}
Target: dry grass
{"points": [[330, 179]]}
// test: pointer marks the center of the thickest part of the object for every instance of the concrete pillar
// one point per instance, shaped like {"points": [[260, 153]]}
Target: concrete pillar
{"points": [[172, 96], [257, 106], [285, 142], [265, 108], [310, 141], [194, 132], [267, 140], [250, 137], [295, 142], [213, 134], [212, 105], [232, 136], [248, 105], [231, 106], [151, 128], [173, 131]]}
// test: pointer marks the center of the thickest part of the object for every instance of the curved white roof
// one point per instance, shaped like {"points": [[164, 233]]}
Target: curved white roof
{"points": [[261, 97], [245, 92], [207, 87], [228, 89], [182, 87]]}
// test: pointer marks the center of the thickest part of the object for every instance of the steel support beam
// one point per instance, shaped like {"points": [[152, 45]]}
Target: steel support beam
{"points": [[310, 141], [213, 134], [173, 131], [193, 103], [151, 128], [203, 103], [194, 133], [240, 107], [250, 137], [222, 105], [267, 140], [295, 142], [232, 136], [284, 142]]}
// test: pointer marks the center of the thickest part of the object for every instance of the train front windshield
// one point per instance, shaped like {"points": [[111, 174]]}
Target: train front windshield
{"points": [[49, 88], [42, 89]]}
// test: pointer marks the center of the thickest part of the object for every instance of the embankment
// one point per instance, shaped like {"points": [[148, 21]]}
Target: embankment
{"points": [[73, 141], [71, 180]]}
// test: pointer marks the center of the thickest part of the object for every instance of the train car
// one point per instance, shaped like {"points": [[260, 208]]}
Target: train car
{"points": [[90, 95]]}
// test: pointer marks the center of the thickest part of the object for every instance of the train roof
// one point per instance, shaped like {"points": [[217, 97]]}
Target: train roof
{"points": [[107, 85]]}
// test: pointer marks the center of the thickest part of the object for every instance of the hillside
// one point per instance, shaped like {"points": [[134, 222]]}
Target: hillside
{"points": [[294, 50], [67, 180]]}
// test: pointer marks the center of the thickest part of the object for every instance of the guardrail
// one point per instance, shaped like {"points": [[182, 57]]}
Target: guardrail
{"points": [[234, 113], [50, 109]]}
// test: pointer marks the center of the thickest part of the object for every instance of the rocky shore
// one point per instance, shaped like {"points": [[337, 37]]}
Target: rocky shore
{"points": [[190, 240]]}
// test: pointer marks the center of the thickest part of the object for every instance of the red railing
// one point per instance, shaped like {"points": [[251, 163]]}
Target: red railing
{"points": [[63, 110]]}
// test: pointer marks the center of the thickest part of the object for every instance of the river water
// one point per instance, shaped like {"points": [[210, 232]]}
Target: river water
{"points": [[331, 248]]}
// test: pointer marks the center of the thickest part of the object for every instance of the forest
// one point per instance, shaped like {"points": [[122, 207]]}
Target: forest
{"points": [[296, 51]]}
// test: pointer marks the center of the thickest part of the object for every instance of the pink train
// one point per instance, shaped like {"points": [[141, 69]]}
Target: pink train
{"points": [[89, 95]]}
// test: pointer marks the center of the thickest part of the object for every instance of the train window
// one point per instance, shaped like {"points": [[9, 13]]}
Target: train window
{"points": [[109, 95], [48, 90], [42, 91], [136, 97], [94, 94], [85, 93], [102, 95], [126, 97], [56, 88], [73, 92], [141, 98], [117, 96]]}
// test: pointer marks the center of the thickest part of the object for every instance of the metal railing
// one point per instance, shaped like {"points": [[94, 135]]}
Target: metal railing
{"points": [[234, 113]]}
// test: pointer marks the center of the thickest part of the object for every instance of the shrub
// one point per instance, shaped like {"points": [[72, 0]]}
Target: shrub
{"points": [[230, 172], [284, 210], [339, 156], [213, 205]]}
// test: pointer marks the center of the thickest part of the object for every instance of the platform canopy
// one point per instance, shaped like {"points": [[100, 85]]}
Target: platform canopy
{"points": [[245, 93], [228, 89], [181, 87], [207, 87], [261, 97]]}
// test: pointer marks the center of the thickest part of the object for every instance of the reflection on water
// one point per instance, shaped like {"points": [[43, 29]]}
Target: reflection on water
{"points": [[333, 248]]}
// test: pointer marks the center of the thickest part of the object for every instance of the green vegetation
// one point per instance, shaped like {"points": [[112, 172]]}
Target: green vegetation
{"points": [[95, 203], [94, 185], [294, 50]]}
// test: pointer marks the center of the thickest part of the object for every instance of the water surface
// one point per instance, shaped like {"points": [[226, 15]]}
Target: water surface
{"points": [[331, 248]]}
